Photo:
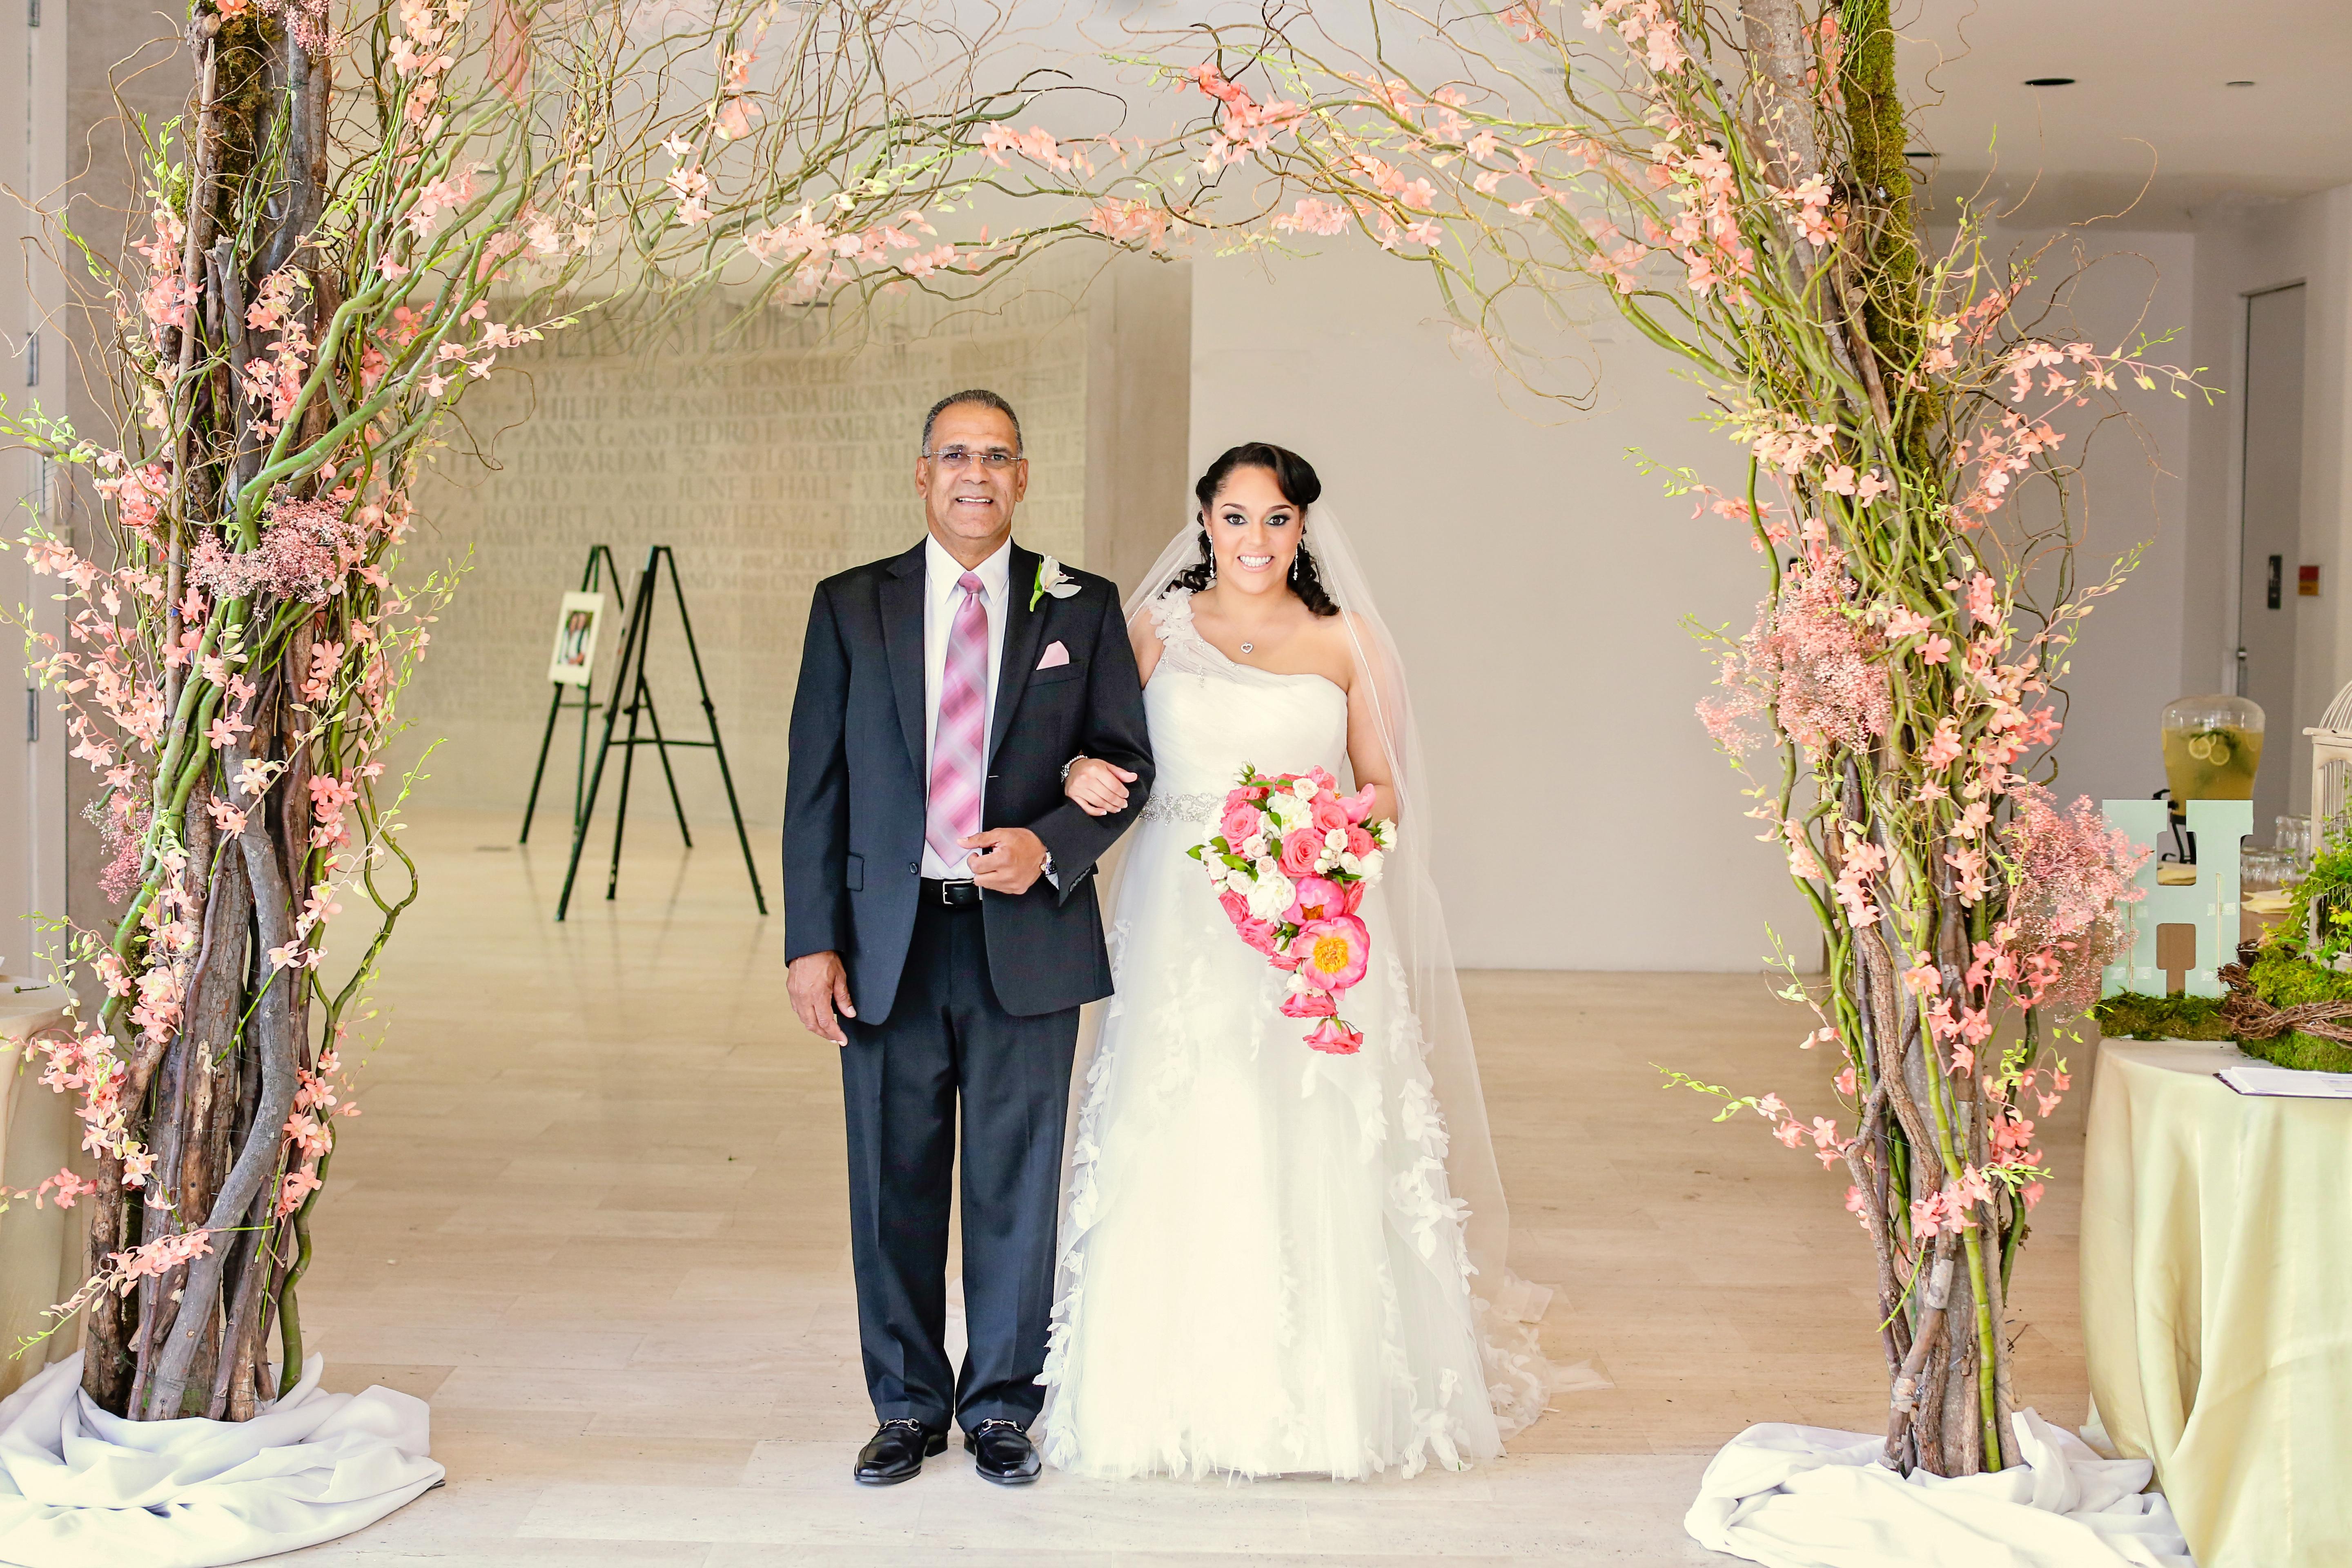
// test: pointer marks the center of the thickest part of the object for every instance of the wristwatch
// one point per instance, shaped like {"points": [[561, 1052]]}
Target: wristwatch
{"points": [[1073, 762]]}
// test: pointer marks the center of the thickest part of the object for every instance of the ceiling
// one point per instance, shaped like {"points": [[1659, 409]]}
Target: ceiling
{"points": [[2150, 112]]}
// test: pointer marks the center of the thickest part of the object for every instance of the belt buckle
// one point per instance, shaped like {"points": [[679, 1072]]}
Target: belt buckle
{"points": [[947, 887]]}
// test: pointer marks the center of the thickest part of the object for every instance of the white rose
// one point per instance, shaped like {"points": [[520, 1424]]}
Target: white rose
{"points": [[1367, 864], [1252, 848], [1385, 832], [1336, 839], [1271, 896]]}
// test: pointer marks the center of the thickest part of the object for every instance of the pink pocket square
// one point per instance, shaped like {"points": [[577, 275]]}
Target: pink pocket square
{"points": [[1056, 657]]}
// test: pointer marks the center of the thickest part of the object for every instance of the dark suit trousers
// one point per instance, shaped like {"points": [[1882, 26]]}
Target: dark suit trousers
{"points": [[947, 1038]]}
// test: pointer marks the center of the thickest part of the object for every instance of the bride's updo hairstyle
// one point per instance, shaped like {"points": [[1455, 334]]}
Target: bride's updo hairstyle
{"points": [[1294, 476]]}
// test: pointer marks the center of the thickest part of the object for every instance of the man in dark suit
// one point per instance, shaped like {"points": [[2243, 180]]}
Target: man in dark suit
{"points": [[940, 925]]}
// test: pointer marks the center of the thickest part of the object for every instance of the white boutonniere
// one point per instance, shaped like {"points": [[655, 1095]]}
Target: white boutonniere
{"points": [[1051, 579]]}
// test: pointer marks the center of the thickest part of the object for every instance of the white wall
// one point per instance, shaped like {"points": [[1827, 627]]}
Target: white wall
{"points": [[1536, 583], [2244, 247], [2131, 489], [33, 780]]}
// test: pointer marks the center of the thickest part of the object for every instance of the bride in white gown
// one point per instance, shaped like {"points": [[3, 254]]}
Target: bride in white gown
{"points": [[1277, 1261]]}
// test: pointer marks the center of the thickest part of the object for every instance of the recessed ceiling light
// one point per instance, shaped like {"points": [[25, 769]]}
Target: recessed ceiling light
{"points": [[2049, 81], [2236, 84]]}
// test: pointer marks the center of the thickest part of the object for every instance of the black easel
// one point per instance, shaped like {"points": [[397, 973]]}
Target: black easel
{"points": [[629, 676], [600, 565]]}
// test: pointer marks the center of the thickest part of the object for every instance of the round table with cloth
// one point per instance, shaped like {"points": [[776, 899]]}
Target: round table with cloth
{"points": [[2217, 1301], [40, 1247]]}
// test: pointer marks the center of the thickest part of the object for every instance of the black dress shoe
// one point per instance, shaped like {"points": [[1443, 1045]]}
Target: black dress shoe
{"points": [[896, 1452], [1002, 1453]]}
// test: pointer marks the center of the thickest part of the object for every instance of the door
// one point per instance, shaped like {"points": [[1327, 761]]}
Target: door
{"points": [[2273, 549]]}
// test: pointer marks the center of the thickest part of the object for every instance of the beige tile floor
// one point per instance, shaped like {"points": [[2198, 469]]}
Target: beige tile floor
{"points": [[593, 1212]]}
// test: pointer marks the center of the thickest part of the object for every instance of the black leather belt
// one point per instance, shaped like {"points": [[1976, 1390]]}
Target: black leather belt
{"points": [[959, 895]]}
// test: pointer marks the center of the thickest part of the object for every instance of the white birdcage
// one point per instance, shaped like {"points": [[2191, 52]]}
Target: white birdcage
{"points": [[2331, 771]]}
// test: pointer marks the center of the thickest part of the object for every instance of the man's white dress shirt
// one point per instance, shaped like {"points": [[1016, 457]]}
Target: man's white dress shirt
{"points": [[942, 597]]}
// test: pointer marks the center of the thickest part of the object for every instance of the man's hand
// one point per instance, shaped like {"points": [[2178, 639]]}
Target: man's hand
{"points": [[817, 984], [1010, 860]]}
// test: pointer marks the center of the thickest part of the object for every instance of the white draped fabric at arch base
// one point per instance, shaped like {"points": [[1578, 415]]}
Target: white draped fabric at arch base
{"points": [[1807, 1497], [82, 1488]]}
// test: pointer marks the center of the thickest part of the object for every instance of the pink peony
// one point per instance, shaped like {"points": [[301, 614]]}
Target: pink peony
{"points": [[1310, 1005], [1335, 1039], [1300, 850], [1359, 804], [1333, 953], [1318, 897]]}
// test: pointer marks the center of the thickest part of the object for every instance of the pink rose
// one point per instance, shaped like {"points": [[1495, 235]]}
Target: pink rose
{"points": [[1354, 899], [1335, 1039], [1309, 1004], [1237, 907], [1333, 952], [1262, 935], [1318, 897], [1361, 842], [1359, 804], [1299, 852], [1322, 779], [1241, 820], [1330, 811]]}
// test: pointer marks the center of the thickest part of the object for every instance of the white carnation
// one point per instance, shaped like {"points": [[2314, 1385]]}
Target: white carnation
{"points": [[1271, 896]]}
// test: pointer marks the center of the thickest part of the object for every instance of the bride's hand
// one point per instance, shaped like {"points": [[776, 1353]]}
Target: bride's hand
{"points": [[1098, 786]]}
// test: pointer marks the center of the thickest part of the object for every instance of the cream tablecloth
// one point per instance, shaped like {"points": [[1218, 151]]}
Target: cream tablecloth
{"points": [[2217, 1301], [40, 1248]]}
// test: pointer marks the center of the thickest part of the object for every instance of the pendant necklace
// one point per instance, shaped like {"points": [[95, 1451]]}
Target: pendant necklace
{"points": [[1249, 647]]}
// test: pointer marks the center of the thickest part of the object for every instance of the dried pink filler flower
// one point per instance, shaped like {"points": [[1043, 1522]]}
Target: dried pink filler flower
{"points": [[1809, 663], [2069, 872], [307, 23], [122, 821], [306, 547]]}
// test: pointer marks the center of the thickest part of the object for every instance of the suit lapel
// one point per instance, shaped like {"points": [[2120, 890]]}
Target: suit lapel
{"points": [[1023, 629], [902, 639]]}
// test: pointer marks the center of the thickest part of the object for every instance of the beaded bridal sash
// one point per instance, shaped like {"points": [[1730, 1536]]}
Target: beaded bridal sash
{"points": [[1194, 808]]}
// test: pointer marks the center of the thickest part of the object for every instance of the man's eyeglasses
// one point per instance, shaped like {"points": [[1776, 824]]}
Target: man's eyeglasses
{"points": [[995, 459]]}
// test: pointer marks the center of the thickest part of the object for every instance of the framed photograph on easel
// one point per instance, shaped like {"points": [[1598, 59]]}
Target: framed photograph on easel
{"points": [[573, 662]]}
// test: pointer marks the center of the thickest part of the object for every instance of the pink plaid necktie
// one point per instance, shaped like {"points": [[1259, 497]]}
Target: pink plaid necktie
{"points": [[958, 742]]}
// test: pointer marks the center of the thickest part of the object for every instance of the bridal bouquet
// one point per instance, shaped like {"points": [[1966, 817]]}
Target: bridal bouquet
{"points": [[1291, 862]]}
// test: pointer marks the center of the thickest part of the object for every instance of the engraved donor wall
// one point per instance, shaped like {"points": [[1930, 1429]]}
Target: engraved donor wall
{"points": [[769, 458]]}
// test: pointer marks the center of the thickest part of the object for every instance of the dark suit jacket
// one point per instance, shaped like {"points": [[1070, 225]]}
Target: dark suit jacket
{"points": [[854, 797]]}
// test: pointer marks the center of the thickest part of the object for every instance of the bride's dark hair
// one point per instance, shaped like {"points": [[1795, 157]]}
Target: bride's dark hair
{"points": [[1294, 476]]}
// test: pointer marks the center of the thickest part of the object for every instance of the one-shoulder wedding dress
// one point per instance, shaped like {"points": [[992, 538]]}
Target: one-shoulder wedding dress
{"points": [[1263, 1271]]}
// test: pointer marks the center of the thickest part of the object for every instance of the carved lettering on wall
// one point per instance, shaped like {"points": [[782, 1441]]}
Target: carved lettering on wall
{"points": [[767, 459]]}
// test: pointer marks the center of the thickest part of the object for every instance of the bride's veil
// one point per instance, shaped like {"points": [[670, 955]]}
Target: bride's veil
{"points": [[1418, 927]]}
